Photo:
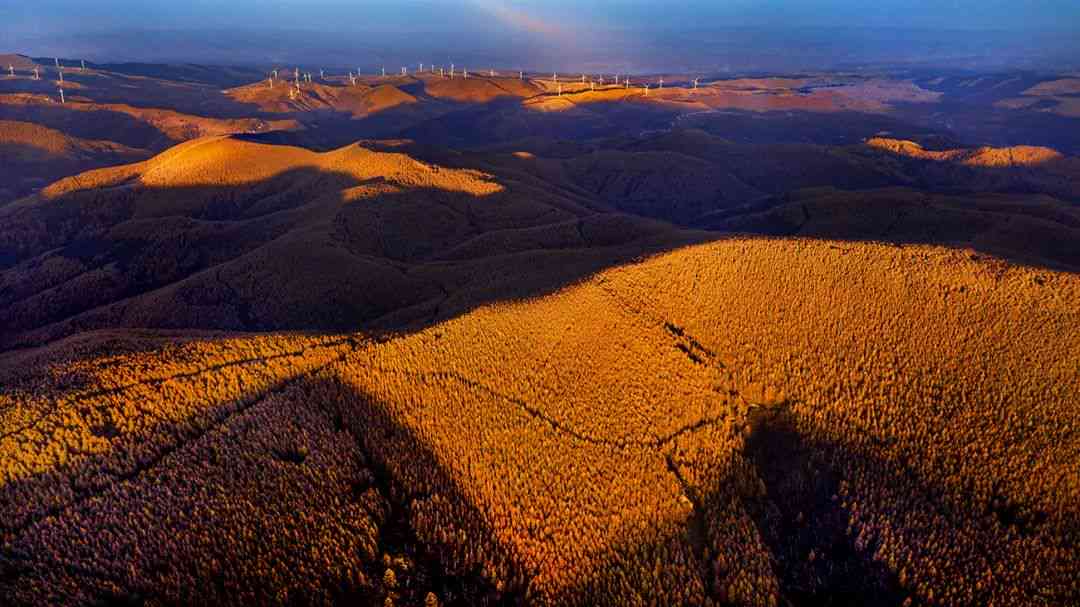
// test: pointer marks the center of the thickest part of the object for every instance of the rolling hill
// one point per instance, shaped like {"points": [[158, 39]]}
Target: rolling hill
{"points": [[35, 156], [197, 237], [749, 421], [413, 340]]}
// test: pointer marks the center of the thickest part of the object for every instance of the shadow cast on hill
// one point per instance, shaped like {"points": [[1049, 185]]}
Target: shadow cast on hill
{"points": [[818, 551]]}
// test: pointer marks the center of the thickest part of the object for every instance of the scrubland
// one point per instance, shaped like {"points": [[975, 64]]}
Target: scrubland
{"points": [[747, 422]]}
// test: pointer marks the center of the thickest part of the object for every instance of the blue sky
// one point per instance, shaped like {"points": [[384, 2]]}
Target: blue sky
{"points": [[617, 14], [524, 31]]}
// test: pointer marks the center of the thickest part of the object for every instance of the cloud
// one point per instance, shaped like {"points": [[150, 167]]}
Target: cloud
{"points": [[520, 19]]}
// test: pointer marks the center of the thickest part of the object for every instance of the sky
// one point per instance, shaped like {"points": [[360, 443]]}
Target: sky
{"points": [[539, 34]]}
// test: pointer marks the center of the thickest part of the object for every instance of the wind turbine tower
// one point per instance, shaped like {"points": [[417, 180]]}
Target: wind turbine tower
{"points": [[61, 95]]}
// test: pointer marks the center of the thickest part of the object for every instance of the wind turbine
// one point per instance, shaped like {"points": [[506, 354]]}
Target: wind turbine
{"points": [[451, 71], [560, 88], [322, 75], [661, 83], [11, 68], [695, 83], [37, 76], [583, 78], [57, 61], [61, 95], [270, 80], [465, 73], [491, 73], [421, 70], [82, 65], [384, 71], [61, 74], [521, 75]]}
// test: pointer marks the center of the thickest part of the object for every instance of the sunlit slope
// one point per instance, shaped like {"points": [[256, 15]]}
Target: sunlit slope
{"points": [[224, 233], [743, 422], [608, 431]]}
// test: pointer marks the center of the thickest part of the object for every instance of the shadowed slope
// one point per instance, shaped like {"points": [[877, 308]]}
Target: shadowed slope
{"points": [[230, 234], [33, 156]]}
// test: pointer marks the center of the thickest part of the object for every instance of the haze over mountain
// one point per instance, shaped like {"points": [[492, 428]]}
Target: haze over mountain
{"points": [[661, 330], [600, 35]]}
